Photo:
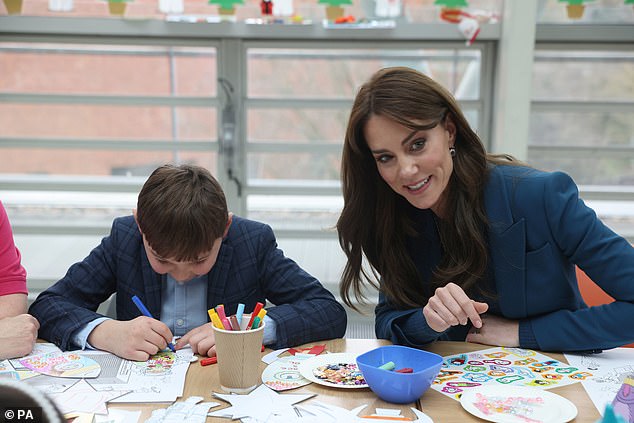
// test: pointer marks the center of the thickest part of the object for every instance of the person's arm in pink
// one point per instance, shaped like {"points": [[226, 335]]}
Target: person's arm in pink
{"points": [[18, 330]]}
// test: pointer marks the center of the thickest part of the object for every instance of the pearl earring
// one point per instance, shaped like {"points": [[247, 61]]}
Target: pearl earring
{"points": [[452, 151]]}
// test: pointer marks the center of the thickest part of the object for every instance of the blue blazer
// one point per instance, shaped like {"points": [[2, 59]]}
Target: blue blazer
{"points": [[539, 229], [249, 268]]}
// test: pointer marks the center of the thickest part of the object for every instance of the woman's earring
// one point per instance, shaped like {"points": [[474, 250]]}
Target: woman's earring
{"points": [[452, 151]]}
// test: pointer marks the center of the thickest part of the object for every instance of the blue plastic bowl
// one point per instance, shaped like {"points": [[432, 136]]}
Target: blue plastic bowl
{"points": [[394, 387]]}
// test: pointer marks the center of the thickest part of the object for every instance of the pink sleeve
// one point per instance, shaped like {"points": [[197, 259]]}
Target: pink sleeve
{"points": [[12, 274]]}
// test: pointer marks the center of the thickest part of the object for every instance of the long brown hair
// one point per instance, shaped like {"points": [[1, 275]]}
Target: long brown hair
{"points": [[374, 222]]}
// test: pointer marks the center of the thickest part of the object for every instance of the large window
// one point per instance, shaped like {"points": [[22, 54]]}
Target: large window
{"points": [[82, 127], [582, 122]]}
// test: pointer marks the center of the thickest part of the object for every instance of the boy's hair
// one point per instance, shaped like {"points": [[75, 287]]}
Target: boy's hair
{"points": [[181, 211]]}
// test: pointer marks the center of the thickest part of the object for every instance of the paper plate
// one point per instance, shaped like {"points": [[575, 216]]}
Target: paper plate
{"points": [[347, 361], [62, 364], [510, 404]]}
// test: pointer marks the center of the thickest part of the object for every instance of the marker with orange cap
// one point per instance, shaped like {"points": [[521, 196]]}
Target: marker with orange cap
{"points": [[256, 310]]}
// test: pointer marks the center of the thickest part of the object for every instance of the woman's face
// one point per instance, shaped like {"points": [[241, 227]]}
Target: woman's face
{"points": [[415, 164]]}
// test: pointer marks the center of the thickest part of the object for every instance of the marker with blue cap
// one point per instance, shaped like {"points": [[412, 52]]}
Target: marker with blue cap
{"points": [[144, 311]]}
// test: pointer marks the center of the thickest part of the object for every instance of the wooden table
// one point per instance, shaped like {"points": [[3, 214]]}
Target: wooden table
{"points": [[203, 381]]}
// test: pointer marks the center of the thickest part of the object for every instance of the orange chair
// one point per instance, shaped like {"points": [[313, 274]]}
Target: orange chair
{"points": [[592, 294]]}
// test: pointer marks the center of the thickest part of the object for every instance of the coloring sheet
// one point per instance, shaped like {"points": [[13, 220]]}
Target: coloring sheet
{"points": [[609, 369], [503, 367], [160, 379]]}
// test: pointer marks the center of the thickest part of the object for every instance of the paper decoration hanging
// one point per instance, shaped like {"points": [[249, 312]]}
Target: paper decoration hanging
{"points": [[226, 7], [468, 23], [117, 7], [334, 9], [14, 7], [451, 4], [575, 8]]}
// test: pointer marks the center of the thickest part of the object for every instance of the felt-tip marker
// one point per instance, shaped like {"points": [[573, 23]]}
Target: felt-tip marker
{"points": [[209, 360], [144, 311]]}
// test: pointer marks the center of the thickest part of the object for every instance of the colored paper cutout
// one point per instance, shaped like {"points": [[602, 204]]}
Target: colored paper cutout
{"points": [[284, 374], [62, 364]]}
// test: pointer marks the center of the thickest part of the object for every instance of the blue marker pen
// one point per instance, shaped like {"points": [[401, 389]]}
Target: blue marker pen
{"points": [[144, 311], [239, 312]]}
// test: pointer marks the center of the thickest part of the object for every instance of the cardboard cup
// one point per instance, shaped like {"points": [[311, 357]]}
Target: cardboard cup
{"points": [[239, 355]]}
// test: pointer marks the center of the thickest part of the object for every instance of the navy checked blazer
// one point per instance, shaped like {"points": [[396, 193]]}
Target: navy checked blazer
{"points": [[249, 268]]}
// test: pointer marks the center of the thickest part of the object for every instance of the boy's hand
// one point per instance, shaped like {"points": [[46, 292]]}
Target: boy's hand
{"points": [[17, 335], [450, 306], [135, 339], [201, 339]]}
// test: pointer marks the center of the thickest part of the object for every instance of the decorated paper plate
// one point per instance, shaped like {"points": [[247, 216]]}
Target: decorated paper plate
{"points": [[510, 404], [338, 370], [62, 364]]}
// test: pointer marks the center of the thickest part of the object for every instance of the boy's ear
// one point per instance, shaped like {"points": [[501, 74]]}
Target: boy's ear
{"points": [[229, 220]]}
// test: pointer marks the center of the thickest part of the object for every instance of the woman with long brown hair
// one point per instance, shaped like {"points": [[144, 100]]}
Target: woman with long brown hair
{"points": [[463, 244]]}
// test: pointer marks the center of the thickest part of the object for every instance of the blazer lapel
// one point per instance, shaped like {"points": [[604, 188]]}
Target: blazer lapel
{"points": [[507, 240]]}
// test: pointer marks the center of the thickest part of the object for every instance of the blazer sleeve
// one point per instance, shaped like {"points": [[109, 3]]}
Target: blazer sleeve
{"points": [[304, 310], [408, 327], [607, 258], [71, 303]]}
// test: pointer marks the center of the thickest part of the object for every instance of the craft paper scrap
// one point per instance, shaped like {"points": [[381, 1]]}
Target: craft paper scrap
{"points": [[316, 411], [82, 398], [609, 369], [284, 374], [273, 355], [80, 417], [183, 411], [503, 367], [260, 404], [7, 370], [62, 364], [39, 348], [116, 415]]}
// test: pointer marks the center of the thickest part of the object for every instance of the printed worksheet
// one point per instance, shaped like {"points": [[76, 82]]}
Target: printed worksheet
{"points": [[609, 369], [503, 366], [160, 379]]}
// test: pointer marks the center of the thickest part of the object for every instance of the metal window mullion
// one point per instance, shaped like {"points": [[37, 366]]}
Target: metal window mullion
{"points": [[298, 147], [307, 189], [107, 144], [594, 106], [580, 152], [111, 100]]}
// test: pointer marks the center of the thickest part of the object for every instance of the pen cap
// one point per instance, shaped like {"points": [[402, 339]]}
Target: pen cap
{"points": [[239, 354]]}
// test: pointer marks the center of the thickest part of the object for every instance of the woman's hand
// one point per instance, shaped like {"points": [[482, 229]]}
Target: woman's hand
{"points": [[201, 339], [450, 306], [497, 331], [135, 339]]}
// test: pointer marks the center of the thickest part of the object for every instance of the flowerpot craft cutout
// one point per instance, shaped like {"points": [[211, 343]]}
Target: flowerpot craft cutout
{"points": [[14, 7]]}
